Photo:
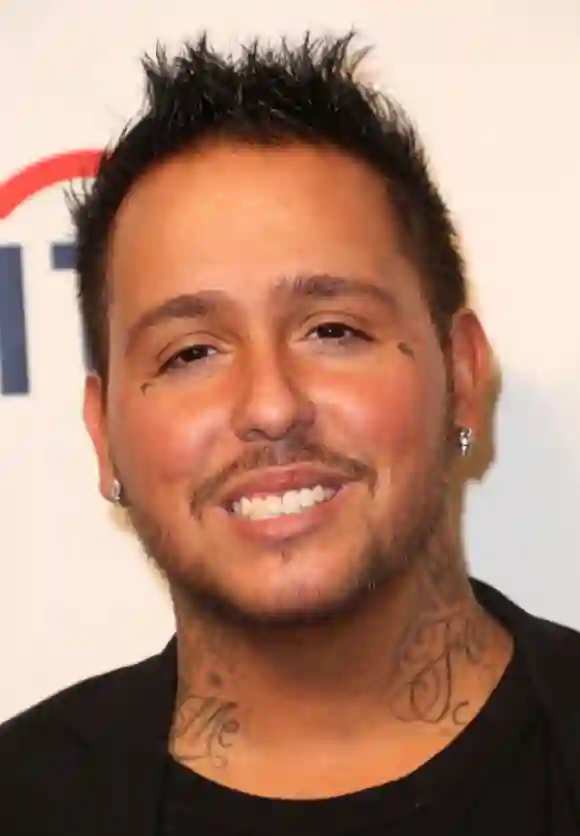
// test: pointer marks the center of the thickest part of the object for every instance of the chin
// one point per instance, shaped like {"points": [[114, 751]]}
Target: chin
{"points": [[283, 608], [297, 586]]}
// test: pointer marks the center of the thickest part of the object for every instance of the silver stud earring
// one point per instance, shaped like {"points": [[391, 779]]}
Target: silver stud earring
{"points": [[116, 492], [465, 440]]}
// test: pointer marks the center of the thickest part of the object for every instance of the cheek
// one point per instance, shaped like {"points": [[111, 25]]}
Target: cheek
{"points": [[159, 440], [392, 415]]}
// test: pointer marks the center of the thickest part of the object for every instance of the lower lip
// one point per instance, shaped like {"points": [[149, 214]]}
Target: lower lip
{"points": [[287, 526]]}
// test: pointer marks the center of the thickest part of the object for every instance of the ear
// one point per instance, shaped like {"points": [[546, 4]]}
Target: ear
{"points": [[94, 414], [471, 370]]}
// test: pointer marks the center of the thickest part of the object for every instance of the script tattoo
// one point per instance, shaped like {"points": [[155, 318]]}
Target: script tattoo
{"points": [[203, 728], [428, 662]]}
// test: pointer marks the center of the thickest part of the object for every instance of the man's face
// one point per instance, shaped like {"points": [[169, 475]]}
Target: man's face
{"points": [[278, 407]]}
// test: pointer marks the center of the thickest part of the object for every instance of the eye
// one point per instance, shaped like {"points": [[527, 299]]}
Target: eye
{"points": [[187, 356], [338, 332]]}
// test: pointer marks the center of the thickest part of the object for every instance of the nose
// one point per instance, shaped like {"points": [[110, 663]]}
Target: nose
{"points": [[270, 403]]}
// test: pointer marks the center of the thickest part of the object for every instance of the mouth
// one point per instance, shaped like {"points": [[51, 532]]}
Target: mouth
{"points": [[277, 518], [278, 504], [256, 507]]}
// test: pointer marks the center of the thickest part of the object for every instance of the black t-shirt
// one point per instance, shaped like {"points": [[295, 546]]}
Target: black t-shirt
{"points": [[500, 776]]}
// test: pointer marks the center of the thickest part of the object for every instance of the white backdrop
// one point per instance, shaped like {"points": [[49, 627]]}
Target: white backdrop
{"points": [[495, 87]]}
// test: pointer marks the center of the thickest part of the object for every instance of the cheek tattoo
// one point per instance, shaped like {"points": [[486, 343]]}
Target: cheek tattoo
{"points": [[406, 349], [145, 387]]}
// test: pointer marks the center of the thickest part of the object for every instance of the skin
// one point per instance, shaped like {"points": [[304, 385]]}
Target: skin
{"points": [[343, 655]]}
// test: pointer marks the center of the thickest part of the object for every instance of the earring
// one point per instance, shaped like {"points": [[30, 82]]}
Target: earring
{"points": [[116, 492], [465, 440]]}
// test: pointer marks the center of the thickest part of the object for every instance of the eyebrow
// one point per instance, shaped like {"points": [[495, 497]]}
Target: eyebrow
{"points": [[328, 286], [184, 306], [311, 286]]}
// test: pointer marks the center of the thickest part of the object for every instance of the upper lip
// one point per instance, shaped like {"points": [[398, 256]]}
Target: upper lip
{"points": [[274, 480]]}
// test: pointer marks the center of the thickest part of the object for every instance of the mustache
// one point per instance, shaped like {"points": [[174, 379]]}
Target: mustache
{"points": [[282, 454]]}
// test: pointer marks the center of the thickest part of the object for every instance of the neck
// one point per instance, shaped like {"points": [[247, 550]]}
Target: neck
{"points": [[417, 661]]}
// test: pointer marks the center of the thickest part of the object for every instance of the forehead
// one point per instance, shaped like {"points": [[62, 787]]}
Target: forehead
{"points": [[234, 217]]}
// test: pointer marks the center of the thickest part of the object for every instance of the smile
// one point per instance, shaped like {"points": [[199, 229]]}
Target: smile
{"points": [[286, 503]]}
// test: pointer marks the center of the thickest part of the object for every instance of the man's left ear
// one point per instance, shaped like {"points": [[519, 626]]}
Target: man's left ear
{"points": [[471, 369]]}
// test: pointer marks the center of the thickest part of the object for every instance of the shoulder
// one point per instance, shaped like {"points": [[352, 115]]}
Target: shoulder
{"points": [[42, 759], [50, 723], [556, 642], [552, 650], [57, 757]]}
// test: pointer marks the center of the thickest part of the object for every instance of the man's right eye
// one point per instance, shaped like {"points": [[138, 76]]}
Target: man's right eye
{"points": [[187, 356]]}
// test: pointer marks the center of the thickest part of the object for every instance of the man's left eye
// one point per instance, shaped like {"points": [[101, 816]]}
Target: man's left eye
{"points": [[338, 332]]}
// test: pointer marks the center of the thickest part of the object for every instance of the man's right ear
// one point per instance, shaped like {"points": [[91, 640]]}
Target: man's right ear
{"points": [[94, 415]]}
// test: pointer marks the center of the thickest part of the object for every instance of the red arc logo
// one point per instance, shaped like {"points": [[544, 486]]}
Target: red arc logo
{"points": [[45, 173]]}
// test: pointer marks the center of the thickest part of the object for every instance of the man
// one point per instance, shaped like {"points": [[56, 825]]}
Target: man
{"points": [[285, 379]]}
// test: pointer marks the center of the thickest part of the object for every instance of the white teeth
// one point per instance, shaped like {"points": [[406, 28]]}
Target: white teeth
{"points": [[319, 493], [290, 502], [272, 506], [307, 498], [276, 505]]}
